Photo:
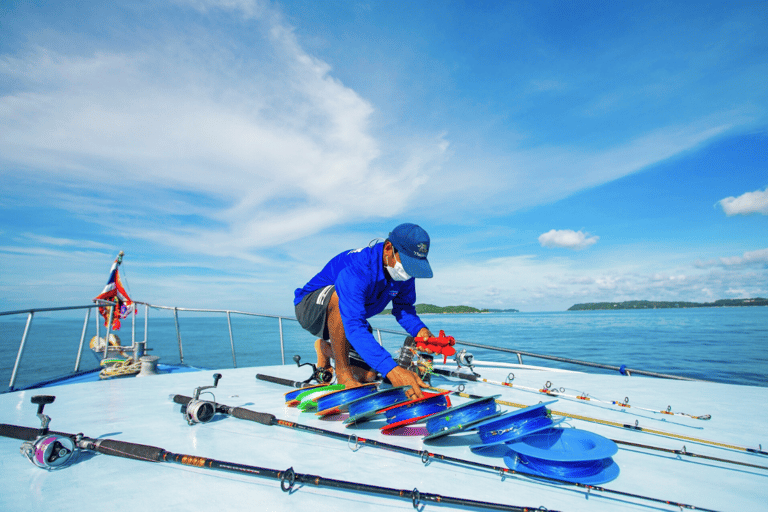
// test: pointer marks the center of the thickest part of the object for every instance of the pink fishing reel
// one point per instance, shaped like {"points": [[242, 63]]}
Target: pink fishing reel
{"points": [[48, 451]]}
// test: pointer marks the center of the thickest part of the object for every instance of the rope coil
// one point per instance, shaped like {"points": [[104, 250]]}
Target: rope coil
{"points": [[119, 367]]}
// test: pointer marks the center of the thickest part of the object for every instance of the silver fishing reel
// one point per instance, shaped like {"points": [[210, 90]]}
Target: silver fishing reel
{"points": [[201, 411], [48, 451], [464, 358]]}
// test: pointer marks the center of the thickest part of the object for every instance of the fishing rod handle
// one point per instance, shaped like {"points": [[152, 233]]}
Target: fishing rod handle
{"points": [[259, 417], [181, 399], [105, 446], [238, 412], [124, 449], [22, 433], [283, 382], [449, 373]]}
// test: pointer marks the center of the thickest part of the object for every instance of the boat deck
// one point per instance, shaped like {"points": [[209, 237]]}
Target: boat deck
{"points": [[139, 410]]}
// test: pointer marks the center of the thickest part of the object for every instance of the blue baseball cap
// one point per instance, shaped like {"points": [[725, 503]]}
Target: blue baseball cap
{"points": [[412, 243]]}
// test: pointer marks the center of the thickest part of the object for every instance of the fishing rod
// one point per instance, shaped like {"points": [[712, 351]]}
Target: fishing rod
{"points": [[288, 478], [425, 455], [635, 427], [560, 393], [286, 382]]}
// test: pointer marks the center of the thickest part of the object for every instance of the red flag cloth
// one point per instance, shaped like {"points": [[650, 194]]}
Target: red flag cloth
{"points": [[441, 344], [114, 291]]}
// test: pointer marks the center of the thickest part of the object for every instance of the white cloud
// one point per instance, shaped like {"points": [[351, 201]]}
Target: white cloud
{"points": [[567, 238], [758, 258], [749, 202], [263, 136]]}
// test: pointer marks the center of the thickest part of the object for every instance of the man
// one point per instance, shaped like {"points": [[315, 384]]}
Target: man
{"points": [[356, 285]]}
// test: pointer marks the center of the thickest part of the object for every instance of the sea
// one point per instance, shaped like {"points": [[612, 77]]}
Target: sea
{"points": [[719, 344]]}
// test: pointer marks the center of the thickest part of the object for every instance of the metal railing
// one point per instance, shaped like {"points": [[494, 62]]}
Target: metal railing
{"points": [[139, 346], [521, 353]]}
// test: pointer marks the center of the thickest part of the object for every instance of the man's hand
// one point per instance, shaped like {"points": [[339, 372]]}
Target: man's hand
{"points": [[424, 333], [399, 376]]}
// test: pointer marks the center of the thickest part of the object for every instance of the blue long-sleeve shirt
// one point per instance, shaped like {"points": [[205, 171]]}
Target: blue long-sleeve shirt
{"points": [[365, 289]]}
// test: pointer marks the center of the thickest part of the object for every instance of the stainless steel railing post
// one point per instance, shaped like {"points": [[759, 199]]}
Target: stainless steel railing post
{"points": [[82, 340], [178, 334], [282, 346], [21, 351], [231, 340]]}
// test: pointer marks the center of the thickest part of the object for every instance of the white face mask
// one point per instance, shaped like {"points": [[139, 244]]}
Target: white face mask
{"points": [[398, 273]]}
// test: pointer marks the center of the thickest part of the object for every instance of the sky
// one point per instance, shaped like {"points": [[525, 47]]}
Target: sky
{"points": [[557, 152]]}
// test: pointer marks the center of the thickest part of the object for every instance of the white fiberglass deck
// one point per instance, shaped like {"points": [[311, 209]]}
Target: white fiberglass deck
{"points": [[139, 410]]}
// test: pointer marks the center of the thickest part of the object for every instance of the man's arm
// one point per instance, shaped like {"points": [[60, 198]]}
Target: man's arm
{"points": [[404, 310], [351, 290]]}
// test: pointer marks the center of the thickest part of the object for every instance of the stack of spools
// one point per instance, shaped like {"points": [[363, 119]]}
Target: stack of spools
{"points": [[531, 442], [528, 439]]}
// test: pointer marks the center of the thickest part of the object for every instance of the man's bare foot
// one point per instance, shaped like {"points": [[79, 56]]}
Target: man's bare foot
{"points": [[348, 381], [364, 375]]}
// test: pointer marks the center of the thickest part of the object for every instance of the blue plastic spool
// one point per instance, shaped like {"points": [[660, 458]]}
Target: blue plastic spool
{"points": [[427, 407], [461, 417], [366, 407], [587, 472], [514, 425], [294, 395], [339, 399], [572, 455]]}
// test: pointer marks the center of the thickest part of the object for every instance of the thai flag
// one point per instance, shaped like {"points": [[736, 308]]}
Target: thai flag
{"points": [[114, 291]]}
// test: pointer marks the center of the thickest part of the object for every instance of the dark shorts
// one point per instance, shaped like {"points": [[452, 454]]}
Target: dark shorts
{"points": [[312, 311], [312, 314]]}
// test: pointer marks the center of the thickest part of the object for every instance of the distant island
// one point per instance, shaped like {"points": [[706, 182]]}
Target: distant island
{"points": [[423, 309], [649, 304]]}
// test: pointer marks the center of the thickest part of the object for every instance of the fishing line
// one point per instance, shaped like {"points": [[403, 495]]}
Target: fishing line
{"points": [[461, 415], [292, 397], [333, 401], [422, 408], [381, 400], [635, 427], [287, 478], [549, 390], [308, 399], [561, 470], [501, 430], [426, 456]]}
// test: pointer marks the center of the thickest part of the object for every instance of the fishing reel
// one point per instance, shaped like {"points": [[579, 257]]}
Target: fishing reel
{"points": [[321, 375], [464, 358], [48, 451], [412, 359], [201, 411]]}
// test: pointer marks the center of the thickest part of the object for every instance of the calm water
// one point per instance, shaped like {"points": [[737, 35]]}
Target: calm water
{"points": [[720, 344]]}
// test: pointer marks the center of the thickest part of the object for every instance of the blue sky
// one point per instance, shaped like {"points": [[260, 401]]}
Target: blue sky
{"points": [[556, 152]]}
